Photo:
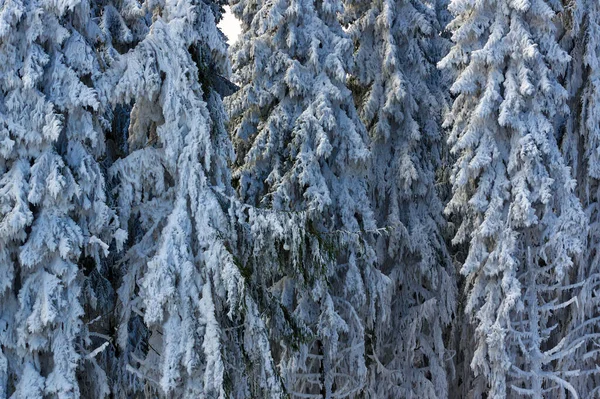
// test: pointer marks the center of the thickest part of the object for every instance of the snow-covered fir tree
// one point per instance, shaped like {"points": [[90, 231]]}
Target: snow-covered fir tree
{"points": [[401, 97], [301, 147], [581, 148], [514, 193], [55, 224], [188, 327]]}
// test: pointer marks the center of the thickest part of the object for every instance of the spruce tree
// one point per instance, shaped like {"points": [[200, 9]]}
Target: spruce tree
{"points": [[513, 192], [400, 96], [580, 147], [188, 327], [301, 148], [55, 224]]}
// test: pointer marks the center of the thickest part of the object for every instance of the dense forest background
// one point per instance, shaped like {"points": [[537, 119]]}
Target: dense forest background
{"points": [[357, 199]]}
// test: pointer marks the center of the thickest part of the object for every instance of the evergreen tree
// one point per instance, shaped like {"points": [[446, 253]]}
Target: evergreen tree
{"points": [[514, 192], [580, 147], [55, 224], [401, 97], [301, 147], [188, 326]]}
